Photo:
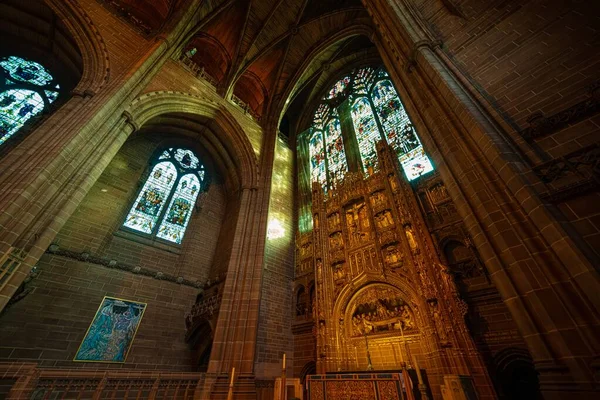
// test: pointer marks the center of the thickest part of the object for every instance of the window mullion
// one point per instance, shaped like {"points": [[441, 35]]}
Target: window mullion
{"points": [[159, 220]]}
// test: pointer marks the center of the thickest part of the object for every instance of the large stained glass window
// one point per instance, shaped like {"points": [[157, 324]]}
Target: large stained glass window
{"points": [[26, 88], [176, 179], [368, 97], [336, 156], [367, 132]]}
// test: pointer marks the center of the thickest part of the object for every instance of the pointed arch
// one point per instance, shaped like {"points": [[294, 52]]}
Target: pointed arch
{"points": [[237, 147], [96, 65]]}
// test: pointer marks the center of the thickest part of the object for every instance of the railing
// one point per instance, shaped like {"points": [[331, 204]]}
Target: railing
{"points": [[572, 174], [245, 107], [197, 70], [9, 263], [37, 383]]}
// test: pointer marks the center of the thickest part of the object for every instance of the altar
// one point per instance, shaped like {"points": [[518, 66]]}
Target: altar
{"points": [[358, 386]]}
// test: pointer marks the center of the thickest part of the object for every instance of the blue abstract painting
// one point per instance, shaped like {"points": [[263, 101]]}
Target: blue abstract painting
{"points": [[112, 331]]}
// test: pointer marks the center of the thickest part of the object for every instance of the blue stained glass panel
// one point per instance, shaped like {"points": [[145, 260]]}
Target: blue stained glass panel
{"points": [[16, 107], [26, 71], [316, 150], [146, 210], [336, 155], [367, 132], [27, 87], [179, 212]]}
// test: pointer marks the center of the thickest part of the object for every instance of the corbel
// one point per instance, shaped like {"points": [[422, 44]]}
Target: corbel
{"points": [[130, 120]]}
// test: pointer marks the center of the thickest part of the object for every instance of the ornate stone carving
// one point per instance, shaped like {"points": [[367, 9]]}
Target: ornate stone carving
{"points": [[358, 224], [393, 257], [334, 222], [384, 220], [339, 273], [410, 237], [379, 309], [387, 237], [336, 241]]}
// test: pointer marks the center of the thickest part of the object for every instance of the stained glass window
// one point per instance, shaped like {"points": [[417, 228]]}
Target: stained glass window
{"points": [[316, 148], [176, 179], [367, 132], [321, 116], [362, 80], [180, 209], [338, 88], [26, 88], [336, 156], [399, 131]]}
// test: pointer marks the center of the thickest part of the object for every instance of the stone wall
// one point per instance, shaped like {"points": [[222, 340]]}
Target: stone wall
{"points": [[48, 325]]}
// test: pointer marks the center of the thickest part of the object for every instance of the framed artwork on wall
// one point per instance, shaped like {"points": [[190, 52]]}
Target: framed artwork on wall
{"points": [[111, 333]]}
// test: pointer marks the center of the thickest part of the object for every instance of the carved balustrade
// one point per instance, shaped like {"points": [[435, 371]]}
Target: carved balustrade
{"points": [[31, 382], [197, 70]]}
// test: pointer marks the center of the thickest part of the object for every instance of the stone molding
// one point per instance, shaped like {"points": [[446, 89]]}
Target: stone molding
{"points": [[84, 256]]}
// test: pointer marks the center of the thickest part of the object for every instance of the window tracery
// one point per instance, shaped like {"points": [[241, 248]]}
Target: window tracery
{"points": [[26, 89], [377, 113], [176, 179]]}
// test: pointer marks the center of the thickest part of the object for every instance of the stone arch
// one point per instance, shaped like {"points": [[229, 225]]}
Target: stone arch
{"points": [[515, 374], [356, 30], [347, 310], [309, 368], [416, 301], [96, 65], [232, 136]]}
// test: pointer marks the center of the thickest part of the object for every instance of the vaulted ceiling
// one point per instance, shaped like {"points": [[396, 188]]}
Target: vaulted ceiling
{"points": [[263, 51]]}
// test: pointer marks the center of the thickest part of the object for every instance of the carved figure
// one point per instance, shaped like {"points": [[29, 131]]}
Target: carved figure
{"points": [[411, 239], [358, 225], [384, 219], [392, 255], [339, 274], [335, 240], [377, 199]]}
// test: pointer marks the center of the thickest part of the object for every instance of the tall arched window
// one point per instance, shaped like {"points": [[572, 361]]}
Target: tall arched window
{"points": [[369, 98], [26, 88], [164, 205]]}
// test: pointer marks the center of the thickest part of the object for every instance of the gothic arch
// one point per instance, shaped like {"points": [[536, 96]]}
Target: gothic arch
{"points": [[96, 65], [312, 54], [232, 136]]}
